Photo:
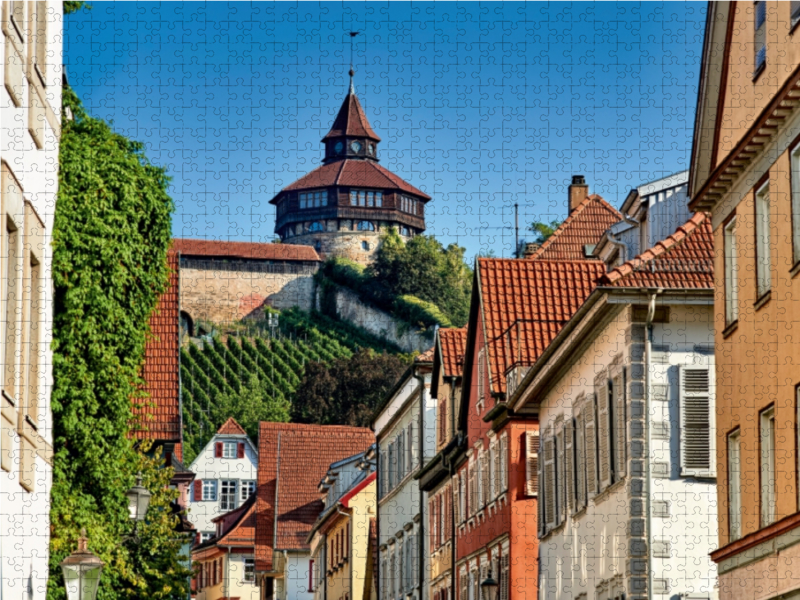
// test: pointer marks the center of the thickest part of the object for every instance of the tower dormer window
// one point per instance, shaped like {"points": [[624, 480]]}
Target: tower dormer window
{"points": [[313, 199], [369, 198]]}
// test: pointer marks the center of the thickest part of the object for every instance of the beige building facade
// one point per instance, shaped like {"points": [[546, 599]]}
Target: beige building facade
{"points": [[746, 173]]}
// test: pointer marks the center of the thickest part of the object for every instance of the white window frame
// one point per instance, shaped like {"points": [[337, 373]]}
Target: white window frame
{"points": [[227, 499], [731, 273], [687, 397], [205, 536], [763, 241], [734, 485], [209, 492], [766, 420], [249, 576], [246, 489], [795, 161], [230, 449]]}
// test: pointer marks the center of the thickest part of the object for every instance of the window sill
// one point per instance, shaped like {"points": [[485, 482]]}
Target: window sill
{"points": [[795, 23], [795, 270], [728, 331], [10, 398], [759, 71], [762, 301]]}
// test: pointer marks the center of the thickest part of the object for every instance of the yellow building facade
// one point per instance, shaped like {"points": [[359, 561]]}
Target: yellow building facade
{"points": [[746, 173]]}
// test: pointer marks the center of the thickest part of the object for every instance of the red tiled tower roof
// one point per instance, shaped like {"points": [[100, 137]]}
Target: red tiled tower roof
{"points": [[292, 459], [247, 250], [231, 427], [525, 303], [161, 420], [583, 227], [351, 121], [683, 260]]}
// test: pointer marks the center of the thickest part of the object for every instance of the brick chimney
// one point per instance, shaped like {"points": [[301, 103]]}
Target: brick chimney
{"points": [[577, 191]]}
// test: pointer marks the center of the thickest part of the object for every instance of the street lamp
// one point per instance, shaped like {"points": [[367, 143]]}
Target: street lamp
{"points": [[489, 587], [138, 500], [82, 572]]}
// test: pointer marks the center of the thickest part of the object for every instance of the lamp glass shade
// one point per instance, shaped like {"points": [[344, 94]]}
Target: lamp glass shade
{"points": [[489, 587], [138, 501], [82, 571]]}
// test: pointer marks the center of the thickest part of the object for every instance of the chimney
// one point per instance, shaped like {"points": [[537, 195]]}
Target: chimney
{"points": [[577, 191]]}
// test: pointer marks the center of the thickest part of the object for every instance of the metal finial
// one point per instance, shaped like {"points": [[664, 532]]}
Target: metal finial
{"points": [[352, 89], [352, 35]]}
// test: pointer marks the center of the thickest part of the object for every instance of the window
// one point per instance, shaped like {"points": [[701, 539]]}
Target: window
{"points": [[365, 226], [734, 486], [11, 278], [767, 466], [532, 463], [763, 244], [247, 489], [697, 438], [731, 273], [313, 199], [365, 246], [604, 449], [228, 449], [227, 497], [796, 202], [588, 411], [550, 503], [408, 204], [205, 536], [367, 198], [760, 35], [209, 490], [315, 227]]}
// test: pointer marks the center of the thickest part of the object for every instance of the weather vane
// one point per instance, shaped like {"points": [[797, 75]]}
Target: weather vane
{"points": [[353, 34]]}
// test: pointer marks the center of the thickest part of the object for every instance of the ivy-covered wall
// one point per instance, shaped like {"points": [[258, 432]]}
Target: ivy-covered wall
{"points": [[110, 242]]}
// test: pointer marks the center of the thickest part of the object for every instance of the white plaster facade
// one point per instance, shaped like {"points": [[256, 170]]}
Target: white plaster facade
{"points": [[212, 471], [404, 560], [30, 130]]}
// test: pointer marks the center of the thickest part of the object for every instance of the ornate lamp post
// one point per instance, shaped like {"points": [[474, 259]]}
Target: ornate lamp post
{"points": [[489, 587], [82, 572], [138, 501]]}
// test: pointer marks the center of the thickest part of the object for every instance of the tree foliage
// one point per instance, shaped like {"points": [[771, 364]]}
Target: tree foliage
{"points": [[251, 404], [543, 230], [346, 391], [110, 240]]}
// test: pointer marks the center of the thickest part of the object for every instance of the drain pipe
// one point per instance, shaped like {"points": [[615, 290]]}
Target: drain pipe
{"points": [[651, 309]]}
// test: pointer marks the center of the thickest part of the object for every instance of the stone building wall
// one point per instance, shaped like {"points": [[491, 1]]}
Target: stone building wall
{"points": [[227, 291], [342, 238]]}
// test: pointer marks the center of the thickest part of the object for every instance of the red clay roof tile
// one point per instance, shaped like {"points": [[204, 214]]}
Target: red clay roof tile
{"points": [[351, 121], [683, 260], [247, 250], [231, 427], [583, 227], [292, 459], [453, 343]]}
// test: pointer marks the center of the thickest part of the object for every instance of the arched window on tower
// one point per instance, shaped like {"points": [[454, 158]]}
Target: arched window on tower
{"points": [[366, 226], [315, 227]]}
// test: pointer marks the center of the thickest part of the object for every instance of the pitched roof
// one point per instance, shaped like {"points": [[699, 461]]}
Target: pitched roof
{"points": [[683, 260], [424, 357], [452, 343], [247, 250], [524, 303], [351, 121], [583, 227], [231, 427], [292, 459], [355, 173], [238, 527], [161, 419]]}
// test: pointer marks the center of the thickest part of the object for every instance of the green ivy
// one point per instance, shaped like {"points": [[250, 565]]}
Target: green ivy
{"points": [[110, 241]]}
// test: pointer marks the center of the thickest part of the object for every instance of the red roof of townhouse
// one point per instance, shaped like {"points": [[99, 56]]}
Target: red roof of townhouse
{"points": [[424, 357], [238, 530], [160, 419], [453, 344], [231, 427], [351, 121], [583, 227], [292, 459], [355, 173], [683, 260], [525, 303], [246, 250]]}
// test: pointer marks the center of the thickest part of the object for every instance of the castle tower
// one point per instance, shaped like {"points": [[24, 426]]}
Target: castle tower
{"points": [[342, 207]]}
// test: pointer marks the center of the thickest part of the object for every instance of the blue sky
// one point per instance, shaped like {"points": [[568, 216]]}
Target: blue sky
{"points": [[481, 105]]}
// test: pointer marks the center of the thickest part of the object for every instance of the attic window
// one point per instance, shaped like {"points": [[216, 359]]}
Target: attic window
{"points": [[588, 249], [229, 450]]}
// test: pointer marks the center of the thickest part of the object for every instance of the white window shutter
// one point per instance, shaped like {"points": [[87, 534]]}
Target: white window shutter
{"points": [[603, 433], [590, 438], [561, 487], [550, 482], [696, 424], [620, 425], [569, 465], [580, 460], [472, 488], [532, 463], [540, 500]]}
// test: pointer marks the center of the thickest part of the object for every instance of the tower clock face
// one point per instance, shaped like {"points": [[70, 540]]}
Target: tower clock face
{"points": [[339, 147], [355, 146]]}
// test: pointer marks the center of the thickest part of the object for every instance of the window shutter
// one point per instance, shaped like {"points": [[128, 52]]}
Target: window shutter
{"points": [[569, 466], [473, 487], [561, 488], [695, 409], [603, 433], [580, 461], [504, 581], [217, 449], [590, 436], [240, 450], [484, 496], [198, 490], [620, 425], [497, 467], [504, 463], [550, 505], [532, 463], [760, 33], [414, 442], [492, 464]]}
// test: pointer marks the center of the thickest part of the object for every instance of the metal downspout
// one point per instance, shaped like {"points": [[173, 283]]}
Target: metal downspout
{"points": [[651, 309], [378, 525]]}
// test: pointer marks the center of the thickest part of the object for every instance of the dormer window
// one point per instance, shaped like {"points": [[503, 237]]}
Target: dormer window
{"points": [[313, 199], [370, 198]]}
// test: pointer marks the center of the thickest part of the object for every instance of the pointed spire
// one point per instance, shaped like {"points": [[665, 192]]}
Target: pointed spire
{"points": [[352, 89], [351, 120]]}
